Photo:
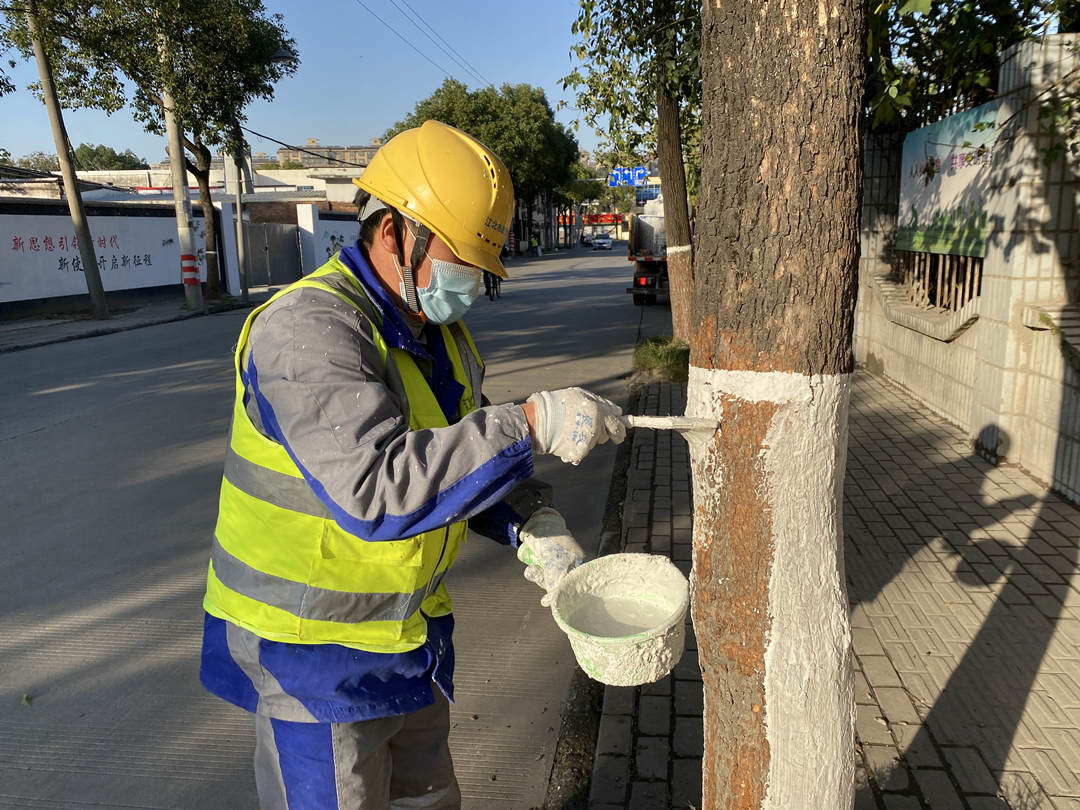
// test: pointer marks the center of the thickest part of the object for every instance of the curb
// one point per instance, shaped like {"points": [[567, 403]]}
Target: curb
{"points": [[575, 751], [123, 327]]}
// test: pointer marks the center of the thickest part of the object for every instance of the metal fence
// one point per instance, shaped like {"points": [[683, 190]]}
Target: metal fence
{"points": [[939, 281], [273, 253]]}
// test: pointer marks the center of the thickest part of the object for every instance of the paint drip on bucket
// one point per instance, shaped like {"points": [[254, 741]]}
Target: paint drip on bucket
{"points": [[625, 617]]}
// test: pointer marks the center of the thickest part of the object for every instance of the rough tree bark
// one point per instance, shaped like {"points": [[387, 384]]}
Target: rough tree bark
{"points": [[201, 169], [676, 216], [67, 170], [774, 292]]}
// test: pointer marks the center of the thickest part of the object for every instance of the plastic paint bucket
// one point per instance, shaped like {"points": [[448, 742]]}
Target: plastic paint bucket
{"points": [[624, 615]]}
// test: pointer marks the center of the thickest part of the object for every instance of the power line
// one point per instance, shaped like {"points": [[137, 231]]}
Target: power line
{"points": [[463, 65], [403, 39], [301, 149], [461, 60]]}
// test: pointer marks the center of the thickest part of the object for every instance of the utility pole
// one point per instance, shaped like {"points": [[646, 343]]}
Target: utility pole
{"points": [[238, 159], [238, 193], [67, 171], [189, 262]]}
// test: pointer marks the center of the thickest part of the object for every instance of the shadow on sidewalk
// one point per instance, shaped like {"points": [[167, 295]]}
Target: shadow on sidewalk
{"points": [[949, 506]]}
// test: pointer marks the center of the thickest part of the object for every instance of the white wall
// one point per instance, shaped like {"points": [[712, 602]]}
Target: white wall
{"points": [[333, 234], [38, 257]]}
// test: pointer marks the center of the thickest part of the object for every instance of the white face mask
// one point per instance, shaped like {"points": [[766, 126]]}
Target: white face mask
{"points": [[451, 291]]}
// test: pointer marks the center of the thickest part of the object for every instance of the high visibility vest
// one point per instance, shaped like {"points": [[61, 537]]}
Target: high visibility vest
{"points": [[283, 569]]}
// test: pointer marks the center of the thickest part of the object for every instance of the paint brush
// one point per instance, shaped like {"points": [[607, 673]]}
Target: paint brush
{"points": [[684, 424]]}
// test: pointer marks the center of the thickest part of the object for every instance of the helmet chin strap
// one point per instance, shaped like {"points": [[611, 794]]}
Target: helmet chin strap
{"points": [[420, 243]]}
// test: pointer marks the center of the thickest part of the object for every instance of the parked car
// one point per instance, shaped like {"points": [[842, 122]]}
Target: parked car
{"points": [[586, 238], [602, 241]]}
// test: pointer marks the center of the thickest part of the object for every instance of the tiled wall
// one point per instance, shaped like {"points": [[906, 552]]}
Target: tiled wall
{"points": [[938, 373], [1023, 381], [1010, 386]]}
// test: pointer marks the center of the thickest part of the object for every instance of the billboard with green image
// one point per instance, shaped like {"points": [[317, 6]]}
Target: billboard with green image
{"points": [[945, 171]]}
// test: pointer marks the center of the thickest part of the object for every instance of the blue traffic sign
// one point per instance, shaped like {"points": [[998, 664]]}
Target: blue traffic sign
{"points": [[636, 176]]}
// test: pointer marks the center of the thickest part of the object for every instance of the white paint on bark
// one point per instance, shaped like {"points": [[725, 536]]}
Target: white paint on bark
{"points": [[809, 692]]}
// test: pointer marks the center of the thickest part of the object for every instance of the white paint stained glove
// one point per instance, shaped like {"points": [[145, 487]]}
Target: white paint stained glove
{"points": [[571, 421], [548, 549]]}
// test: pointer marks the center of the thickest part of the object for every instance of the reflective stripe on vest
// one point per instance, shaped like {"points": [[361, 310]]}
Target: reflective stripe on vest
{"points": [[269, 485], [282, 568], [319, 604]]}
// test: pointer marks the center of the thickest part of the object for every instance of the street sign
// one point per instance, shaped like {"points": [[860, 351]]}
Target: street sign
{"points": [[636, 176]]}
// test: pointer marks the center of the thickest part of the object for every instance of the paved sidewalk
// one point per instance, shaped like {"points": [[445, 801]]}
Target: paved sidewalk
{"points": [[648, 749], [965, 616]]}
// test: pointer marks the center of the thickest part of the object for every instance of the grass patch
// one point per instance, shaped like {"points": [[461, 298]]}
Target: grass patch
{"points": [[662, 359]]}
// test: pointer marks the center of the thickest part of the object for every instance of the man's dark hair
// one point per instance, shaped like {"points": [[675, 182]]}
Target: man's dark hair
{"points": [[369, 225]]}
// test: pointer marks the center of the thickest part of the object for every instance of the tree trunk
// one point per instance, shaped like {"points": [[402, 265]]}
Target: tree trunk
{"points": [[774, 293], [79, 221], [189, 266], [201, 169], [676, 216]]}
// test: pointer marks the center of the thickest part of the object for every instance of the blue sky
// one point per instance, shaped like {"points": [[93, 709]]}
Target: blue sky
{"points": [[356, 77]]}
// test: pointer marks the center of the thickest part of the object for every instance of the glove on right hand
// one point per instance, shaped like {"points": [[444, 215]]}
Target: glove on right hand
{"points": [[571, 421]]}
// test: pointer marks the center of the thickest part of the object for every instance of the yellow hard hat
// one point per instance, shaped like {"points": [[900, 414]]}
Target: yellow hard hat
{"points": [[451, 183]]}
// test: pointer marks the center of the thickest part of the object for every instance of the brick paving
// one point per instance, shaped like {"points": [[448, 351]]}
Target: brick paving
{"points": [[648, 749], [965, 623]]}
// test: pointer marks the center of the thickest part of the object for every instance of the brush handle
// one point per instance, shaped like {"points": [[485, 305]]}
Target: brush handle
{"points": [[679, 423]]}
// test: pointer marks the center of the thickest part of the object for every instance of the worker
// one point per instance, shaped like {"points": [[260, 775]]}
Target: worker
{"points": [[360, 449]]}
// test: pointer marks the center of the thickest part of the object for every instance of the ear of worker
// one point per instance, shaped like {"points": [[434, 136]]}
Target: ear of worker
{"points": [[572, 421]]}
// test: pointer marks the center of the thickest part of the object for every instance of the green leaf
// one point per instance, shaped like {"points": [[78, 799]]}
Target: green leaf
{"points": [[26, 699], [913, 6]]}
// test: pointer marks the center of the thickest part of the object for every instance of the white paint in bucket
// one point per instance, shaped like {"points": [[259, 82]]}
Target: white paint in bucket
{"points": [[625, 617]]}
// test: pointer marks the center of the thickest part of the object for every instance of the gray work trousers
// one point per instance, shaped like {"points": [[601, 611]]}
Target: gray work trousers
{"points": [[390, 763]]}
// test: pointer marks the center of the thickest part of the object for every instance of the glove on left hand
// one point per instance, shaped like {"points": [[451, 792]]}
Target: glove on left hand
{"points": [[548, 549]]}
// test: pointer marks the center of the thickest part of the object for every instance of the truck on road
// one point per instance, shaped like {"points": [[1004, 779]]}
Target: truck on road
{"points": [[647, 249]]}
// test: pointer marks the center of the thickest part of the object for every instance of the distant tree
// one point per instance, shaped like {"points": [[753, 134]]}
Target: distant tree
{"points": [[104, 158], [517, 123], [39, 162], [5, 155], [211, 56], [571, 195], [641, 72], [290, 164]]}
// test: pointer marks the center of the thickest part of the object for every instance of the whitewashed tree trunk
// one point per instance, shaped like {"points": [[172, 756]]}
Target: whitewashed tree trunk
{"points": [[770, 606], [775, 271]]}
